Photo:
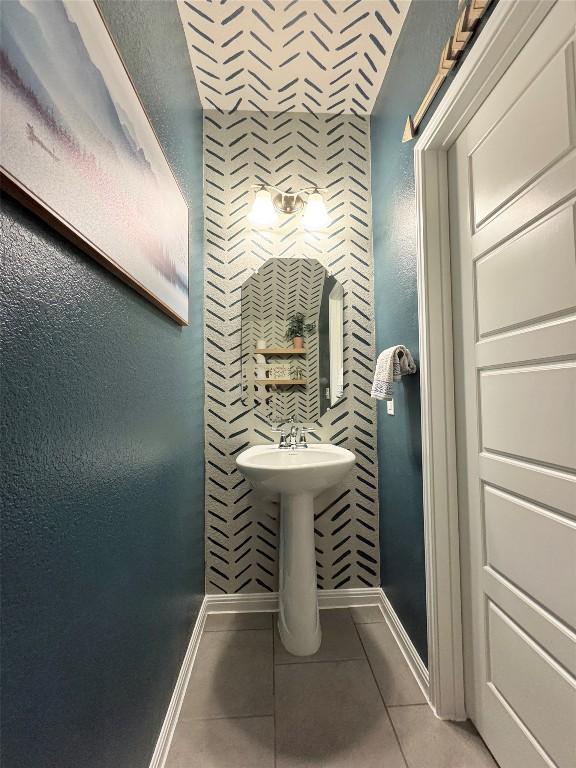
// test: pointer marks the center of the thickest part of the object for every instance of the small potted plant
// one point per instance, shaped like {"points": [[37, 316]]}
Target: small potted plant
{"points": [[297, 329]]}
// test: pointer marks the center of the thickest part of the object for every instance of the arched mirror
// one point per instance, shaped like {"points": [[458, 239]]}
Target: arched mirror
{"points": [[292, 340]]}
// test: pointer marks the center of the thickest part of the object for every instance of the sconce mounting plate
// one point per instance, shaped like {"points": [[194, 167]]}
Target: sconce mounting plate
{"points": [[286, 202]]}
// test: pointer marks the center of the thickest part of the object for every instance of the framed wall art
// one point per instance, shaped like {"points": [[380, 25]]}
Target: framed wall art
{"points": [[78, 149]]}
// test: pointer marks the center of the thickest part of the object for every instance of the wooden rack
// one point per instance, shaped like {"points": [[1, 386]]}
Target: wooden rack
{"points": [[280, 351], [280, 382]]}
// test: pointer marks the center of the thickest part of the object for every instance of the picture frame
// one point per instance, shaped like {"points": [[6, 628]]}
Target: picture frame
{"points": [[79, 150]]}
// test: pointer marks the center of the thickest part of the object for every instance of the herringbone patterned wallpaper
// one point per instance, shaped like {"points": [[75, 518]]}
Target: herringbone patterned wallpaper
{"points": [[288, 151], [317, 56]]}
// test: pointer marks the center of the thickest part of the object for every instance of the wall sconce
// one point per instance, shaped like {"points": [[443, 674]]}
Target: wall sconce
{"points": [[315, 214], [263, 213]]}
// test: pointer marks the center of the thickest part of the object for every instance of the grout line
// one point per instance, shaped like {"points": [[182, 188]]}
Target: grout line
{"points": [[326, 661], [383, 701], [275, 745], [226, 717], [231, 630], [397, 737], [365, 623], [238, 629], [375, 621], [418, 704], [316, 661]]}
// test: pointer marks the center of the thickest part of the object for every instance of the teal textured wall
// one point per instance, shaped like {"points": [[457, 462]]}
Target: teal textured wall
{"points": [[414, 62], [102, 453]]}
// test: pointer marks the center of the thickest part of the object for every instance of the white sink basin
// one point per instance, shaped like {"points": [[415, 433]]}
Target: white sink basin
{"points": [[306, 470], [297, 475]]}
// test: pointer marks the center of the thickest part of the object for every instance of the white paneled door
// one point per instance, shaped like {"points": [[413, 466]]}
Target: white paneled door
{"points": [[512, 176]]}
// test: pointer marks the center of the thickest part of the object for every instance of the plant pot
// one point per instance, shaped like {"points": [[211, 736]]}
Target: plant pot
{"points": [[298, 342]]}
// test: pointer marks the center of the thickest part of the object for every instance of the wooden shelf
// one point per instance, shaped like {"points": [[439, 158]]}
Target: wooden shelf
{"points": [[280, 351], [281, 382]]}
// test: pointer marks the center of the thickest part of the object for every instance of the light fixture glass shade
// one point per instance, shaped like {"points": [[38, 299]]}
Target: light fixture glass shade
{"points": [[262, 214], [315, 215]]}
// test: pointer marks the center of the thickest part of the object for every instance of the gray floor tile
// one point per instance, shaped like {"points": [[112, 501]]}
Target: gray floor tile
{"points": [[332, 715], [431, 743], [392, 673], [367, 614], [245, 742], [339, 640], [232, 676], [216, 622]]}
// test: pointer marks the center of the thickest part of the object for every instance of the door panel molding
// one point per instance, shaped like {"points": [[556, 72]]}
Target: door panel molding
{"points": [[513, 652], [492, 166]]}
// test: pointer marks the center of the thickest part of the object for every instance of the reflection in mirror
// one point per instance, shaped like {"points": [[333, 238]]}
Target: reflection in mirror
{"points": [[292, 340]]}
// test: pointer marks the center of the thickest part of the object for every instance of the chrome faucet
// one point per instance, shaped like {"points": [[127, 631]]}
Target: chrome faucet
{"points": [[280, 427], [295, 438]]}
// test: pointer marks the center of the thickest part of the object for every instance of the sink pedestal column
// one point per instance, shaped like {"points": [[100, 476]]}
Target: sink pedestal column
{"points": [[298, 620]]}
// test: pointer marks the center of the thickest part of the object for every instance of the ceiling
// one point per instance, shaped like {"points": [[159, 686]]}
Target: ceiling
{"points": [[319, 56]]}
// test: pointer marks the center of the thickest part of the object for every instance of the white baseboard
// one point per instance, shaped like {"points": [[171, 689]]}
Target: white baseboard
{"points": [[417, 666], [348, 598], [247, 602], [252, 602], [166, 732], [268, 601]]}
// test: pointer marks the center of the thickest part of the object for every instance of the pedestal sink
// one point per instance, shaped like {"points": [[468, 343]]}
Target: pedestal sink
{"points": [[298, 475]]}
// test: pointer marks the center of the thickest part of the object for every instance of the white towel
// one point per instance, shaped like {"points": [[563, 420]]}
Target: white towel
{"points": [[392, 364]]}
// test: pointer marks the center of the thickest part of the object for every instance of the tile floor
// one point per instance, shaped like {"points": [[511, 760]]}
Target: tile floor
{"points": [[354, 704]]}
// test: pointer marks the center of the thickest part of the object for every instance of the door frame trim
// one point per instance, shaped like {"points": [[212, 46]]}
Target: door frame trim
{"points": [[507, 30]]}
